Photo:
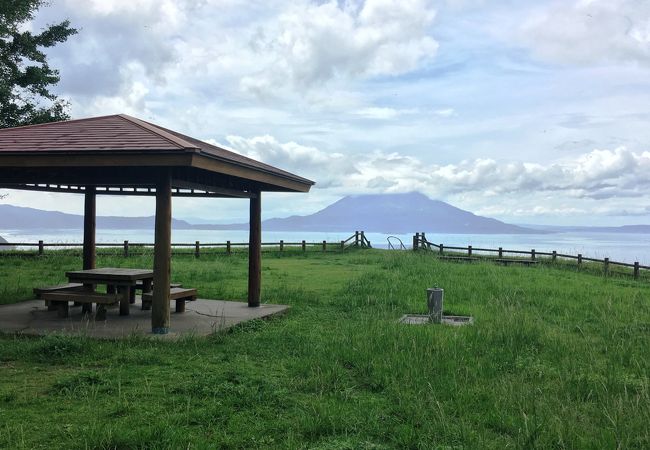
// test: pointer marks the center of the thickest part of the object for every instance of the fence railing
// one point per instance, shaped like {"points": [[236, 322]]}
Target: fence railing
{"points": [[420, 242], [358, 239]]}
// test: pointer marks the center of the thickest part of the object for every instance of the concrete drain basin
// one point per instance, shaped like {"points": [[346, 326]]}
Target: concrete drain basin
{"points": [[435, 299]]}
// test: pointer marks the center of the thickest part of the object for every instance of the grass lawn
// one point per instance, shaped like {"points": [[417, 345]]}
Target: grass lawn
{"points": [[556, 359]]}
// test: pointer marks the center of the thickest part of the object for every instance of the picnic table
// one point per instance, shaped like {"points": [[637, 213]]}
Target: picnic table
{"points": [[120, 279]]}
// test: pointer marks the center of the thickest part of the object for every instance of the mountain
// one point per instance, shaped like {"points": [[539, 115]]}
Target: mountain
{"points": [[383, 213], [394, 213], [18, 218]]}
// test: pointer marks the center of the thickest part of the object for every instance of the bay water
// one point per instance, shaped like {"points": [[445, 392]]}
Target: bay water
{"points": [[623, 247]]}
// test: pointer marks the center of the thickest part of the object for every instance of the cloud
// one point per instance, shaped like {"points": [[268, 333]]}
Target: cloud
{"points": [[590, 32], [382, 113], [119, 42], [311, 44], [598, 174], [305, 51], [446, 112], [306, 161]]}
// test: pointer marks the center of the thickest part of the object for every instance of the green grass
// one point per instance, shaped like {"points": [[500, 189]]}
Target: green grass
{"points": [[556, 359]]}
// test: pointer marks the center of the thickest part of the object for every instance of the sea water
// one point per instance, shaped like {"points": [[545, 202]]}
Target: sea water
{"points": [[623, 247]]}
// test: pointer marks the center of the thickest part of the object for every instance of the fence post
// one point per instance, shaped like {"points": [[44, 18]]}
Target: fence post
{"points": [[304, 246], [636, 270], [356, 238], [228, 247], [324, 245], [342, 245], [469, 250], [442, 248], [579, 258], [363, 238], [40, 247], [500, 252], [197, 249], [126, 249], [606, 266], [532, 255], [416, 241], [281, 245], [554, 255]]}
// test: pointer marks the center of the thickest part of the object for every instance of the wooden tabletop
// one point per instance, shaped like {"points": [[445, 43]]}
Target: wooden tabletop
{"points": [[110, 274]]}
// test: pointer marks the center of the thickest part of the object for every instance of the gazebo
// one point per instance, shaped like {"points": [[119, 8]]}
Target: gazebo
{"points": [[123, 155]]}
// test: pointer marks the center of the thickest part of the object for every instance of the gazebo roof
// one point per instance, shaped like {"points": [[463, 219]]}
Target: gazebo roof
{"points": [[64, 156]]}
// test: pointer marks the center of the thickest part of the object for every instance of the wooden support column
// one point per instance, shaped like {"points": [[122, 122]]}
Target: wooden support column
{"points": [[162, 255], [90, 213], [255, 251]]}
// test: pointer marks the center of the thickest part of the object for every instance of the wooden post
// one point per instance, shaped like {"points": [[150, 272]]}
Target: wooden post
{"points": [[554, 255], [162, 255], [442, 249], [500, 252], [255, 251], [126, 249], [197, 249], [228, 247], [606, 266], [342, 245], [532, 255], [636, 270], [89, 247], [90, 212], [356, 238], [416, 241], [281, 245], [579, 258], [363, 238], [40, 247], [469, 251], [324, 245], [304, 246]]}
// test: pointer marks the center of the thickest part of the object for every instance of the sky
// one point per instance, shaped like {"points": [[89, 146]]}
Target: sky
{"points": [[525, 111]]}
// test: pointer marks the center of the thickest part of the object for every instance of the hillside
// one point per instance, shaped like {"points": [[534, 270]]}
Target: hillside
{"points": [[20, 218]]}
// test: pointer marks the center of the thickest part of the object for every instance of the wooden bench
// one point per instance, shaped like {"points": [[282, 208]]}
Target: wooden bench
{"points": [[526, 262], [139, 285], [61, 298], [180, 295], [61, 287]]}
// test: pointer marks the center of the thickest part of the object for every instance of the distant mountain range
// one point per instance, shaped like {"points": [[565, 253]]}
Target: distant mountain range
{"points": [[384, 213]]}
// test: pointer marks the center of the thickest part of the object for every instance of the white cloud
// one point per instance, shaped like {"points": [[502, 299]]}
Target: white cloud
{"points": [[382, 113], [302, 51], [310, 44], [446, 112], [609, 175], [590, 32]]}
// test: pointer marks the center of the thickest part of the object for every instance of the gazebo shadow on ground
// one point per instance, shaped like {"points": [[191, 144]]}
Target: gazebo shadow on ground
{"points": [[201, 318]]}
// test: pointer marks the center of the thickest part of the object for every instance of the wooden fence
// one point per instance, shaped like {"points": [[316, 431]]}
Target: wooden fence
{"points": [[358, 239], [468, 253]]}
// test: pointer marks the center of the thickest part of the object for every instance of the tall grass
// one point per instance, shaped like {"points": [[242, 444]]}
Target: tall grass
{"points": [[555, 359]]}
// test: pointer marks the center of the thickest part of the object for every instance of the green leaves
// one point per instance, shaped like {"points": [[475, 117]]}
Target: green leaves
{"points": [[25, 76]]}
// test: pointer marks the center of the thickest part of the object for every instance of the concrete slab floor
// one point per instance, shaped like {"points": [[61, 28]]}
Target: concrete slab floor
{"points": [[201, 318]]}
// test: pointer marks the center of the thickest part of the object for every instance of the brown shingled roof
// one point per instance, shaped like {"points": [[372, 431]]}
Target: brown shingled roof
{"points": [[118, 133]]}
